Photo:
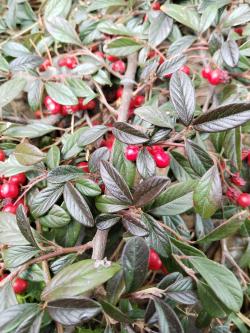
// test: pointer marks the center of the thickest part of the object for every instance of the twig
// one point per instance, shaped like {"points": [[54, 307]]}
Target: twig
{"points": [[100, 239]]}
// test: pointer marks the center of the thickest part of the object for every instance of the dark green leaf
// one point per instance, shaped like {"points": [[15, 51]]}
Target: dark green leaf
{"points": [[92, 134], [128, 134], [134, 225], [230, 53], [101, 154], [223, 118], [115, 313], [134, 262], [182, 291], [148, 189], [77, 206], [56, 218], [73, 311], [114, 183], [45, 199], [198, 158], [160, 28], [171, 65], [145, 164], [208, 193], [233, 145], [88, 187], [107, 204], [78, 278], [181, 44], [64, 173], [106, 221], [182, 96]]}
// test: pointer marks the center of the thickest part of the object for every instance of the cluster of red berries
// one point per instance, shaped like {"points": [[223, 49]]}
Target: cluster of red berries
{"points": [[161, 158], [66, 61], [19, 285], [234, 195], [245, 155], [10, 189], [215, 76], [117, 64], [55, 108]]}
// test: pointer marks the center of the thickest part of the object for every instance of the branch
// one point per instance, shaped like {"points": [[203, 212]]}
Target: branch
{"points": [[100, 239]]}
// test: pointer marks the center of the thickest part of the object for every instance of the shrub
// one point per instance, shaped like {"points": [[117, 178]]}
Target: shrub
{"points": [[124, 163]]}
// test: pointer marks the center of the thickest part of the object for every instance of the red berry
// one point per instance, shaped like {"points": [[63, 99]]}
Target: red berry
{"points": [[154, 261], [84, 166], [237, 180], [9, 208], [99, 54], [164, 270], [68, 61], [45, 65], [239, 31], [2, 277], [108, 142], [138, 100], [162, 159], [20, 285], [185, 69], [215, 77], [119, 92], [102, 187], [155, 149], [206, 72], [2, 155], [52, 105], [68, 109], [112, 58], [9, 190], [156, 6], [245, 153], [38, 114], [232, 194], [91, 105], [131, 153], [248, 159], [18, 179], [119, 66], [243, 200]]}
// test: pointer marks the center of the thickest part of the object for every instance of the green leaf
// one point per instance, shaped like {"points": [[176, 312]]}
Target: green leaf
{"points": [[53, 157], [180, 45], [16, 256], [208, 193], [25, 63], [182, 95], [171, 65], [115, 312], [28, 154], [181, 167], [77, 206], [92, 134], [62, 30], [155, 116], [145, 164], [149, 189], [134, 261], [24, 226], [126, 168], [106, 204], [57, 217], [167, 318], [240, 15], [211, 304], [230, 53], [45, 199], [34, 130], [10, 234], [122, 46], [64, 173], [128, 134], [221, 280], [102, 77], [88, 187], [4, 65], [160, 28], [208, 17], [187, 16], [68, 235], [102, 4], [80, 88], [69, 141], [61, 93], [86, 68], [11, 167], [35, 90], [7, 297], [100, 154], [78, 278], [114, 183], [225, 229], [73, 311], [10, 90], [198, 158], [106, 221], [175, 200], [233, 146], [224, 117], [57, 8], [19, 318]]}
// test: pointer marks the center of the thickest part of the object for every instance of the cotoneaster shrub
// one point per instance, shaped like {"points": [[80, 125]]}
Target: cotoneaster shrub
{"points": [[124, 164]]}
